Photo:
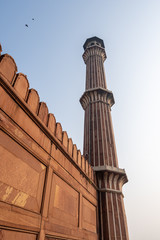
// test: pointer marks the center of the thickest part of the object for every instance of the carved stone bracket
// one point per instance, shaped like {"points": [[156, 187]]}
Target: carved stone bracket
{"points": [[110, 179], [97, 95]]}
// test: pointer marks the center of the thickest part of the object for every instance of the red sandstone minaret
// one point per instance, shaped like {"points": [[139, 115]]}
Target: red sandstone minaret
{"points": [[99, 144]]}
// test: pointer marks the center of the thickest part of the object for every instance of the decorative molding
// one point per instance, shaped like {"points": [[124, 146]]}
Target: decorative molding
{"points": [[95, 95]]}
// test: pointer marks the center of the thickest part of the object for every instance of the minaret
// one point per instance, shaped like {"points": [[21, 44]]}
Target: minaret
{"points": [[99, 144]]}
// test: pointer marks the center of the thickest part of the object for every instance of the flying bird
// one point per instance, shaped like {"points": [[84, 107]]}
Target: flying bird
{"points": [[26, 25], [33, 19]]}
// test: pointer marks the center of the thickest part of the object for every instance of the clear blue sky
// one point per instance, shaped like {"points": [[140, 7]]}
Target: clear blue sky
{"points": [[49, 52]]}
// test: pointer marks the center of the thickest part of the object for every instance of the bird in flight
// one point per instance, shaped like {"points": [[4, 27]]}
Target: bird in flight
{"points": [[26, 25]]}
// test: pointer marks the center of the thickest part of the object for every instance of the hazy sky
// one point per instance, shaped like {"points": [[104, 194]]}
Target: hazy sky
{"points": [[49, 52]]}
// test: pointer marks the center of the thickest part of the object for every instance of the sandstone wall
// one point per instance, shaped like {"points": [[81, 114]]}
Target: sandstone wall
{"points": [[47, 188]]}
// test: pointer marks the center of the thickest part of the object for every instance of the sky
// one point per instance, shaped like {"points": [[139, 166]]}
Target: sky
{"points": [[49, 51]]}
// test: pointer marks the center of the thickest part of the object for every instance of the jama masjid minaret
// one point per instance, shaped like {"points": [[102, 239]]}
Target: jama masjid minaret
{"points": [[99, 144]]}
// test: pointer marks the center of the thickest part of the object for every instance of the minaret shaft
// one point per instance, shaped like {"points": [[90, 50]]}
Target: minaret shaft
{"points": [[94, 71], [112, 213], [99, 144]]}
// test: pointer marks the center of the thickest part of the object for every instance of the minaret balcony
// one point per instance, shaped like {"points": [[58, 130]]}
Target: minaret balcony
{"points": [[114, 178], [97, 95]]}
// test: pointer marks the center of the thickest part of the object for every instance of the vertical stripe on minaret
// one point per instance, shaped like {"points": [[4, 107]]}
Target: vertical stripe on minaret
{"points": [[99, 144]]}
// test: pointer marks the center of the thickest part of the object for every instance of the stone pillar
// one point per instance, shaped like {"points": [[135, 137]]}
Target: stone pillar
{"points": [[99, 144]]}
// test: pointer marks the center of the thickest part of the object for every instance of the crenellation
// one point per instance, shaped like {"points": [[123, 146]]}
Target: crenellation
{"points": [[8, 67], [90, 171], [87, 167], [70, 146], [59, 131], [21, 85], [75, 152], [52, 123], [79, 158], [33, 100], [43, 112], [65, 139], [92, 174], [83, 163]]}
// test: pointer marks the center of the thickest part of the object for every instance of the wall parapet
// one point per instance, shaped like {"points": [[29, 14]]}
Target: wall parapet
{"points": [[17, 85], [47, 188]]}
